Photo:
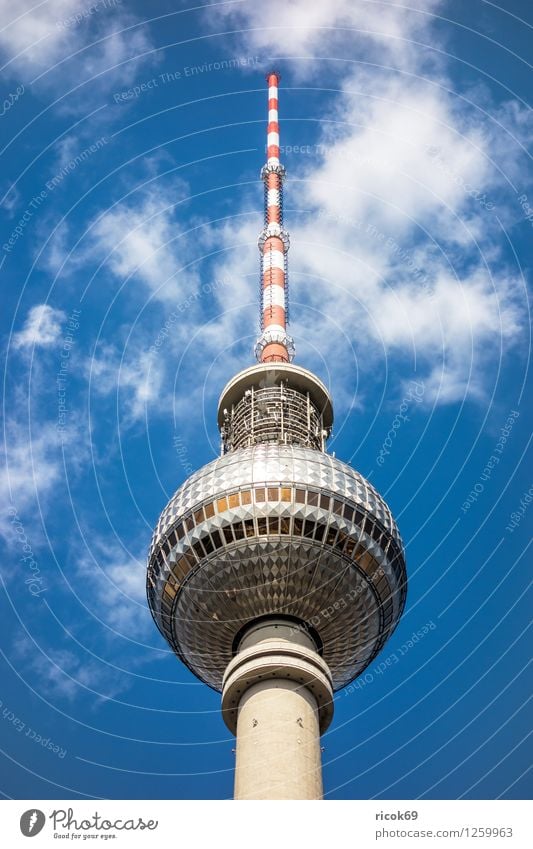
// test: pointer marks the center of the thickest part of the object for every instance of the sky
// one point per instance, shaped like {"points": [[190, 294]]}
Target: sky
{"points": [[130, 204]]}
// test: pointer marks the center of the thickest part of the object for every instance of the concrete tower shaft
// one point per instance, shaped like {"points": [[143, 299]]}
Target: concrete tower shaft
{"points": [[277, 700]]}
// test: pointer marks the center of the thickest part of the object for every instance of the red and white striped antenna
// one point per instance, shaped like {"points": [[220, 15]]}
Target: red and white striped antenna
{"points": [[274, 345]]}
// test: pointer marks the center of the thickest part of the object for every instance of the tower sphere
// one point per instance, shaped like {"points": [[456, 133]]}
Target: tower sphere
{"points": [[276, 527]]}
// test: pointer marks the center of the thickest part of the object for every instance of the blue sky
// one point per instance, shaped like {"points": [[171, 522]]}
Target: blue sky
{"points": [[130, 205]]}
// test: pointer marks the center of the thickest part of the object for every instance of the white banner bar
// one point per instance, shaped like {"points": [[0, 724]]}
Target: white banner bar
{"points": [[358, 824]]}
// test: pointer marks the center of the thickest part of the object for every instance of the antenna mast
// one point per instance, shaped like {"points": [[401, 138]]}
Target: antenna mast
{"points": [[274, 345]]}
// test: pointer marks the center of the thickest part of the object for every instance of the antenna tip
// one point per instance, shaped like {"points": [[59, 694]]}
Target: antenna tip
{"points": [[275, 74]]}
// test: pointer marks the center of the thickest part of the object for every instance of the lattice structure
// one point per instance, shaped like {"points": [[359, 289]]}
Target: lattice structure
{"points": [[274, 414], [278, 403]]}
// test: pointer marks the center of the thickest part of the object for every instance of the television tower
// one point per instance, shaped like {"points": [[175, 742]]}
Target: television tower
{"points": [[276, 572]]}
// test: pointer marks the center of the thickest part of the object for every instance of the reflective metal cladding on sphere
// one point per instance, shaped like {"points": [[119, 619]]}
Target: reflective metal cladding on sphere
{"points": [[276, 529]]}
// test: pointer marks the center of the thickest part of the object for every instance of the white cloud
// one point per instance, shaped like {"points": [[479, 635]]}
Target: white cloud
{"points": [[373, 300], [65, 674], [457, 310], [34, 461], [29, 470], [135, 377], [10, 200], [115, 61], [401, 254], [70, 42], [409, 157], [207, 311], [136, 238], [297, 28], [401, 249], [112, 582], [42, 328], [44, 440], [29, 462], [33, 33]]}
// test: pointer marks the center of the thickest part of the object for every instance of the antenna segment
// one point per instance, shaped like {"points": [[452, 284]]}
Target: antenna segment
{"points": [[274, 345]]}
